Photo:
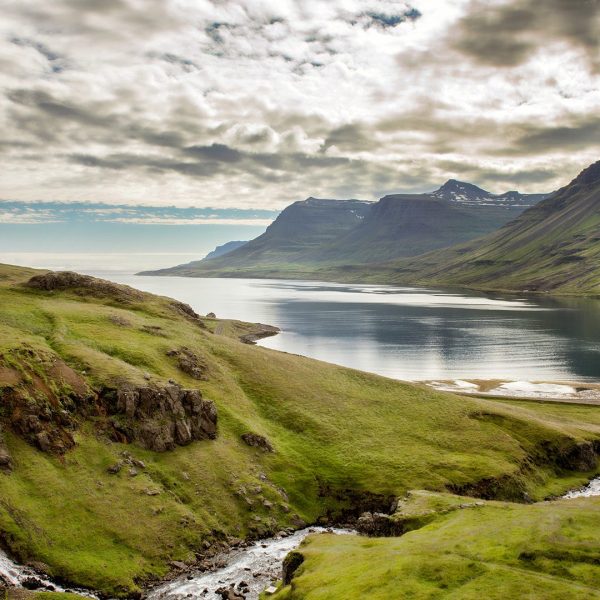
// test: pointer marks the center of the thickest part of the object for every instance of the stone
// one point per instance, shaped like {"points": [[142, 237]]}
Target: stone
{"points": [[290, 565], [211, 315], [114, 469], [257, 441]]}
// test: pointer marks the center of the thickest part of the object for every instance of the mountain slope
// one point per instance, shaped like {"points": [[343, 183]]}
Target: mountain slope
{"points": [[106, 475], [403, 225], [300, 228], [310, 234], [554, 246], [224, 249]]}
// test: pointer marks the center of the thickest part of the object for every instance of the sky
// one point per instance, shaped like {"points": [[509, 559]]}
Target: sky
{"points": [[250, 105]]}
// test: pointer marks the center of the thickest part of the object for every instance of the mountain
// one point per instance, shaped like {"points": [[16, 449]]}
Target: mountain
{"points": [[224, 249], [137, 436], [468, 194], [403, 225], [553, 246], [299, 229], [311, 234]]}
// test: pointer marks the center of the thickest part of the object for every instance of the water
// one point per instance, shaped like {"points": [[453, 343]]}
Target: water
{"points": [[259, 566], [407, 333], [592, 489]]}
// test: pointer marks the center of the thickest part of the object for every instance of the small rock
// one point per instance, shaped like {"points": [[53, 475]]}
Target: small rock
{"points": [[133, 472], [150, 492], [211, 315], [177, 564], [257, 441], [114, 469]]}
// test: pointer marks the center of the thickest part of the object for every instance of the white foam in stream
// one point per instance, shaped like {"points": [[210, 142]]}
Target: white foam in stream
{"points": [[592, 489], [258, 565]]}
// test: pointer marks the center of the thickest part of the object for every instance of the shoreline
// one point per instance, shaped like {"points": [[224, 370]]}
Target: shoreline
{"points": [[565, 391]]}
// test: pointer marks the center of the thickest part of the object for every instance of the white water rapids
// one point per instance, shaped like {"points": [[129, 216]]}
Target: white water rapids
{"points": [[259, 565]]}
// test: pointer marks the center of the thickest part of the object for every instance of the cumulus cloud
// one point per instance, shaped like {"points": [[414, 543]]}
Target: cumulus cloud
{"points": [[244, 103]]}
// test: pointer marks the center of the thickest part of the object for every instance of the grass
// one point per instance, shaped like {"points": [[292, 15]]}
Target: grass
{"points": [[498, 551], [336, 432]]}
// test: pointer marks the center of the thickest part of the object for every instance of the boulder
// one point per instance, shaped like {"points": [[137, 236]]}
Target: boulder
{"points": [[257, 441]]}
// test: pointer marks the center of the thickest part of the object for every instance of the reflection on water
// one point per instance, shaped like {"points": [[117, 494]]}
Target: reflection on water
{"points": [[407, 333]]}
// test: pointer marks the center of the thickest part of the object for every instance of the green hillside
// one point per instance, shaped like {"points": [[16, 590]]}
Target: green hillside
{"points": [[110, 469], [552, 247], [461, 550]]}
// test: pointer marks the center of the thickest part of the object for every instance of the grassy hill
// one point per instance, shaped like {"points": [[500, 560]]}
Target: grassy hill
{"points": [[83, 490], [461, 550]]}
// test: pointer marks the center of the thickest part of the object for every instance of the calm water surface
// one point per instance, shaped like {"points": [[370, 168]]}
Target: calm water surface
{"points": [[406, 333]]}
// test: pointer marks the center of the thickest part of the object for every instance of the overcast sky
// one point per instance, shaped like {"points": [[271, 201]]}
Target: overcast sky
{"points": [[257, 103]]}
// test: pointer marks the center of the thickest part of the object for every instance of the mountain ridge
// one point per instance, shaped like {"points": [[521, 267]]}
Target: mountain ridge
{"points": [[397, 226]]}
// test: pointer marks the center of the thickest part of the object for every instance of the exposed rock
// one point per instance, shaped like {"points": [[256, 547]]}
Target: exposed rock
{"points": [[580, 457], [85, 284], [187, 311], [160, 418], [5, 458], [257, 441], [259, 332], [290, 565], [229, 593], [189, 363], [114, 469], [211, 315], [378, 524]]}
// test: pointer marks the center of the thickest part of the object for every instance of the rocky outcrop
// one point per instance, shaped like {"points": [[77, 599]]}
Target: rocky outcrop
{"points": [[188, 312], [84, 284], [257, 441], [190, 363], [579, 457], [42, 399], [290, 565], [260, 331], [159, 418], [378, 525]]}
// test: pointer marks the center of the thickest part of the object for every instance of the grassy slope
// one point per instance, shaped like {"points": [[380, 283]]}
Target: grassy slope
{"points": [[338, 427], [497, 551]]}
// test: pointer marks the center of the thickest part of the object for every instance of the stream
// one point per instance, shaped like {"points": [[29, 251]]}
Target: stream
{"points": [[258, 565]]}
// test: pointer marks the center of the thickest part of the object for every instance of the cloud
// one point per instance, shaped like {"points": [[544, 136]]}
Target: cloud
{"points": [[508, 33], [255, 103]]}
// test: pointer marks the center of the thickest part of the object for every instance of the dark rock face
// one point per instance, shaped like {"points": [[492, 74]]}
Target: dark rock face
{"points": [[378, 525], [257, 441], [65, 280], [290, 565], [160, 418], [5, 459], [580, 457]]}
